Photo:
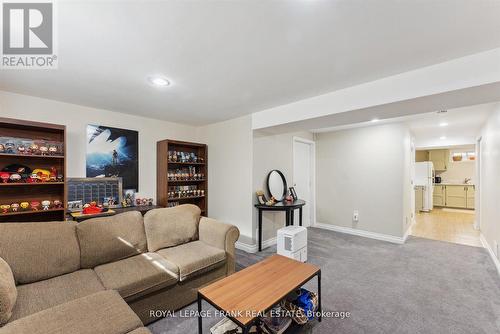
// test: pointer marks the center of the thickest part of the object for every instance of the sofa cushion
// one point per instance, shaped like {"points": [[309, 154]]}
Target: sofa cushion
{"points": [[8, 292], [142, 330], [42, 295], [137, 275], [103, 312], [194, 258], [171, 226], [107, 239], [36, 251]]}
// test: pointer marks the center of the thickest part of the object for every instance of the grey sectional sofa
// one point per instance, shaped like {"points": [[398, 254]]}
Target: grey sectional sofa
{"points": [[108, 275]]}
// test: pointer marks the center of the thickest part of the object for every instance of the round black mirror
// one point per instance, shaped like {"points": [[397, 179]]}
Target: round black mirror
{"points": [[276, 185]]}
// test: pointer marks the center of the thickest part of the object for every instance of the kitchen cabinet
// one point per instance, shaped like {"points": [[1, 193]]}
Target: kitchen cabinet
{"points": [[440, 159], [471, 197], [438, 197], [456, 196]]}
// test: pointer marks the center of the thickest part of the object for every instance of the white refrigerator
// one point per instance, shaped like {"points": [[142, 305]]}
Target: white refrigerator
{"points": [[424, 177]]}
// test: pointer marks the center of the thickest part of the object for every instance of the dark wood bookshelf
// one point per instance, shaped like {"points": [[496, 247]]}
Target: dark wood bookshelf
{"points": [[163, 184], [27, 192]]}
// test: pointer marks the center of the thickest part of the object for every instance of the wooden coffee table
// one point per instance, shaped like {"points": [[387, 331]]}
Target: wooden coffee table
{"points": [[249, 293]]}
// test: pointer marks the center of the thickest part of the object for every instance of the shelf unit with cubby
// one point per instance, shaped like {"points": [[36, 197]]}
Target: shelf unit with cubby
{"points": [[166, 166], [27, 192]]}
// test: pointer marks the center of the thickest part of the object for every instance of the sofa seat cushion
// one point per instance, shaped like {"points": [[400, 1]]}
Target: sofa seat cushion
{"points": [[103, 312], [35, 297], [137, 275], [194, 258]]}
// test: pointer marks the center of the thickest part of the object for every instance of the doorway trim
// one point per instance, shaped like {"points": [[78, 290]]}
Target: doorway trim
{"points": [[478, 181], [312, 147]]}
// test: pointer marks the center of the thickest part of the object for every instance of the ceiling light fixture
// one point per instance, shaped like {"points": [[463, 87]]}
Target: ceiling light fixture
{"points": [[442, 137], [159, 81], [375, 120], [443, 124]]}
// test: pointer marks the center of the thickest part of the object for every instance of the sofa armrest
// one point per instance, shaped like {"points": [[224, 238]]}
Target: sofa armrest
{"points": [[222, 236], [8, 292]]}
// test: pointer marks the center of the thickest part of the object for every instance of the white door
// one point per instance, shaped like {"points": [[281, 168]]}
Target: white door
{"points": [[303, 155]]}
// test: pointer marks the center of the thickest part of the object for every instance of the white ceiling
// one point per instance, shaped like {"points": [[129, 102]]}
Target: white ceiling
{"points": [[464, 125], [230, 58]]}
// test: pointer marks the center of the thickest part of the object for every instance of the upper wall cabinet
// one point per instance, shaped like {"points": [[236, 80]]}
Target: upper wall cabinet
{"points": [[440, 159]]}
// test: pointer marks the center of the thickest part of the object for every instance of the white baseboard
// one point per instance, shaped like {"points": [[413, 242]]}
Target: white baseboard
{"points": [[409, 230], [361, 233], [492, 254], [254, 248]]}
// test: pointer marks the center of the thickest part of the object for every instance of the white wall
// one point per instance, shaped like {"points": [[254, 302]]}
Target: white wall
{"points": [[77, 117], [272, 152], [365, 169], [230, 173], [490, 181]]}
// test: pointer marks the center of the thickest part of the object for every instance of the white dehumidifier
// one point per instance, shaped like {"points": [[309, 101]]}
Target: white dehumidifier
{"points": [[292, 242]]}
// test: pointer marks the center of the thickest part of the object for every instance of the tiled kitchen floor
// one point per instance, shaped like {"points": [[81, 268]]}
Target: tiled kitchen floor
{"points": [[447, 225]]}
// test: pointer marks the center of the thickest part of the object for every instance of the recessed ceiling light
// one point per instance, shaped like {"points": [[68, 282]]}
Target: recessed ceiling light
{"points": [[443, 124], [442, 137], [375, 120], [159, 81]]}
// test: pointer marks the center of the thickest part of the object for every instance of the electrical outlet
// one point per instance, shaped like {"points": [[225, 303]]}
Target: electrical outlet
{"points": [[355, 216]]}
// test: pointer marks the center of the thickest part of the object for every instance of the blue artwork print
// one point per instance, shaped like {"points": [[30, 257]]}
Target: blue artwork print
{"points": [[113, 152]]}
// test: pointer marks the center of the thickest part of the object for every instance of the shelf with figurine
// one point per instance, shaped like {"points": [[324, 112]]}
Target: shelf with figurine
{"points": [[34, 206], [188, 158], [18, 174], [31, 147], [182, 173], [32, 170], [185, 174]]}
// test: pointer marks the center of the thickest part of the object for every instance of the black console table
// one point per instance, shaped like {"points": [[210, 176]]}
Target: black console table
{"points": [[288, 207]]}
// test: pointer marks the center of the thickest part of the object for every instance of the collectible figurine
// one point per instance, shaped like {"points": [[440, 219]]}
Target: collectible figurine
{"points": [[60, 178], [9, 147], [33, 178], [21, 149], [52, 149], [44, 150], [2, 148], [57, 204], [14, 207], [4, 176], [150, 201], [35, 205], [15, 177], [33, 149], [43, 174], [45, 205], [5, 208], [53, 174], [24, 205]]}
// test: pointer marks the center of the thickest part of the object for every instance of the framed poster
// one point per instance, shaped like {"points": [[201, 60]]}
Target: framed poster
{"points": [[113, 152]]}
